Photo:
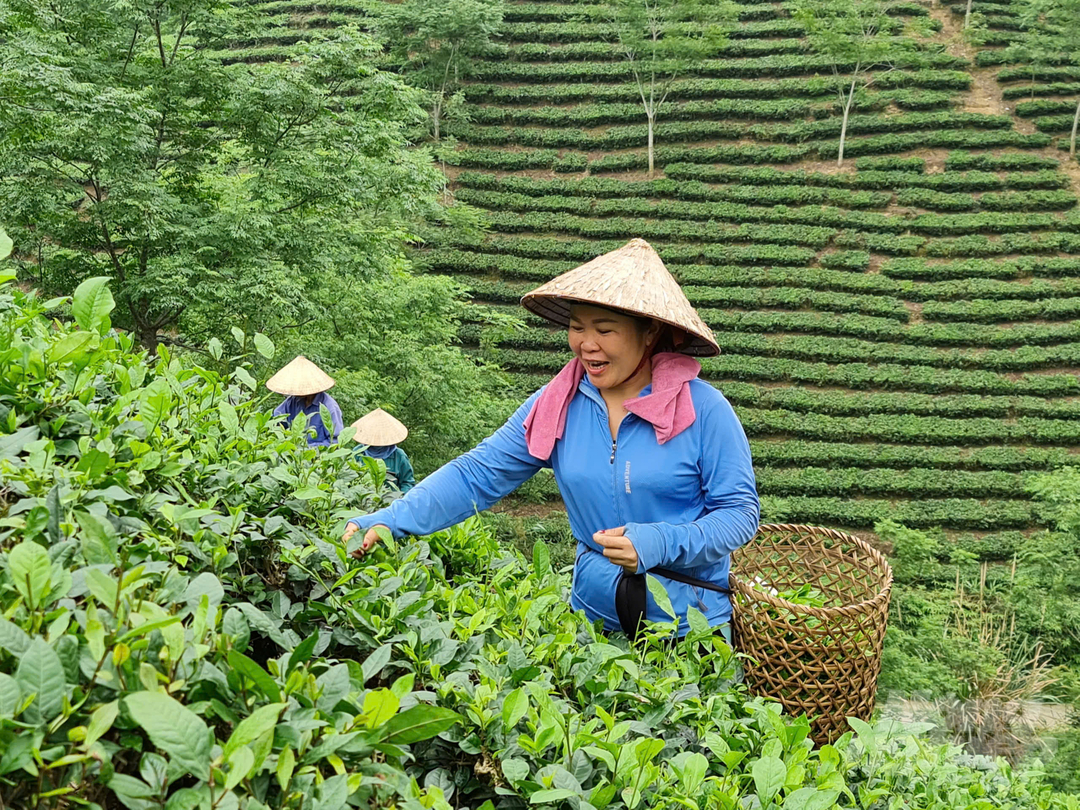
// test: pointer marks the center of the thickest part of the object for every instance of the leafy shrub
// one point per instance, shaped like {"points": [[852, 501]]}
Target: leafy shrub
{"points": [[183, 631], [891, 164]]}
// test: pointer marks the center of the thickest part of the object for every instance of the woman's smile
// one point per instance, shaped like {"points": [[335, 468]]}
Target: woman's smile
{"points": [[596, 367]]}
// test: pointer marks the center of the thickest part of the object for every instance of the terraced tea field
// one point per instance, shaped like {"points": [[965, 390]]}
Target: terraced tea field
{"points": [[900, 336]]}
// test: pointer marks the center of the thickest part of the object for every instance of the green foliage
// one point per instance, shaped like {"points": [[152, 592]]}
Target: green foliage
{"points": [[659, 54], [184, 631], [436, 42], [209, 194], [855, 33], [391, 344]]}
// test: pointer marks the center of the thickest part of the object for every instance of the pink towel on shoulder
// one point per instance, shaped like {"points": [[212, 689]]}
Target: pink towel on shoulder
{"points": [[669, 408]]}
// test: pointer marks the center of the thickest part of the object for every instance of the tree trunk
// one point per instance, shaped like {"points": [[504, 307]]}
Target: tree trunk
{"points": [[1072, 138], [436, 115], [843, 126], [652, 163], [967, 15], [145, 330]]}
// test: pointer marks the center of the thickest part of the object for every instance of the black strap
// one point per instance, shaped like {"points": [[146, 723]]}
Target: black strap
{"points": [[630, 594], [689, 580]]}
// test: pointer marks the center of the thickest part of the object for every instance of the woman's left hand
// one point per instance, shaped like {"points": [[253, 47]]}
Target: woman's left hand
{"points": [[618, 548]]}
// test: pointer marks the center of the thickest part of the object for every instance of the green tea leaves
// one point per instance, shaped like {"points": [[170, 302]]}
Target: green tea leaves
{"points": [[418, 723], [40, 673], [174, 729], [31, 571]]}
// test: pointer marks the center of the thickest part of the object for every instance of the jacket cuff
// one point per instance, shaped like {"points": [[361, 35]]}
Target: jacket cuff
{"points": [[649, 544]]}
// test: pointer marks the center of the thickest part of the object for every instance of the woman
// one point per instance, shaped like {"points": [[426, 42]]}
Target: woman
{"points": [[379, 434], [304, 386], [651, 462]]}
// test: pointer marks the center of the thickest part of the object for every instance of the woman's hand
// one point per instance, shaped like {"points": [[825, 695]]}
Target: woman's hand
{"points": [[618, 548], [370, 539]]}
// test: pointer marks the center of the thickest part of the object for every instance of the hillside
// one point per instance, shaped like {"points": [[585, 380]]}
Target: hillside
{"points": [[899, 335]]}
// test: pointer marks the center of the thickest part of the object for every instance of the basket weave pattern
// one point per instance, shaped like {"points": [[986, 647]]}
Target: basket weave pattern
{"points": [[825, 661]]}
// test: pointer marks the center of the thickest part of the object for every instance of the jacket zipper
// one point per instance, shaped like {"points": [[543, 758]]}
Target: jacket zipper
{"points": [[614, 447]]}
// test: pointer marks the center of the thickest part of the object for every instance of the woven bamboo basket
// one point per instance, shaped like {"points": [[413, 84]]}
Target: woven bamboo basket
{"points": [[821, 661]]}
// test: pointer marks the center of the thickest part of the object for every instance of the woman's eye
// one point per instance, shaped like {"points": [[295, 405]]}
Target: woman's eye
{"points": [[604, 331]]}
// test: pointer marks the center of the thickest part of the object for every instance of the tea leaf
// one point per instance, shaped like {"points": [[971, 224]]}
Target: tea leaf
{"points": [[375, 662], [551, 796], [769, 774], [418, 723], [254, 726], [31, 571], [100, 722], [660, 595], [174, 729], [809, 798], [10, 696], [302, 653], [379, 706], [230, 421], [514, 708], [13, 638], [41, 673], [249, 669]]}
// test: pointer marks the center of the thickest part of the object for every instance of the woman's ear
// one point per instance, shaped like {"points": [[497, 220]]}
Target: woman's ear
{"points": [[653, 333]]}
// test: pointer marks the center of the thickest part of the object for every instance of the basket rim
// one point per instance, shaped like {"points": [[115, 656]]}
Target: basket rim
{"points": [[865, 606]]}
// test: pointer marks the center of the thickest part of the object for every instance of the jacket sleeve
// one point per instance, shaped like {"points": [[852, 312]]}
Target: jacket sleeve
{"points": [[466, 485], [731, 501]]}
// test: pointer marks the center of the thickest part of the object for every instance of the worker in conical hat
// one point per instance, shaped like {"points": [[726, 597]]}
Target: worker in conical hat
{"points": [[378, 435], [304, 386], [651, 461]]}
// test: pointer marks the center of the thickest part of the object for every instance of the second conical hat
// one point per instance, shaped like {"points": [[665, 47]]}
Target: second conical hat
{"points": [[300, 378], [632, 279], [379, 429]]}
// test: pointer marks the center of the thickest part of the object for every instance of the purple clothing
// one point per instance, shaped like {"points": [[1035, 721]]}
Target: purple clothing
{"points": [[294, 406]]}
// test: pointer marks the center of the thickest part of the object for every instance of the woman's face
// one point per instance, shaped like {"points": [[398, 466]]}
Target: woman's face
{"points": [[609, 344]]}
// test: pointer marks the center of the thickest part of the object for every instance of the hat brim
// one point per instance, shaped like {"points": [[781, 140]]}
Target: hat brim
{"points": [[556, 309], [377, 438], [299, 390]]}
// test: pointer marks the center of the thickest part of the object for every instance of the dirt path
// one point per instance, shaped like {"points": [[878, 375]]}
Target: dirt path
{"points": [[984, 96]]}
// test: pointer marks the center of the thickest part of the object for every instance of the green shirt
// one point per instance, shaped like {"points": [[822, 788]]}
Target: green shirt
{"points": [[397, 465]]}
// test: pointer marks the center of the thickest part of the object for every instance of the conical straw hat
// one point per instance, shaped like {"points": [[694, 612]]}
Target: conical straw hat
{"points": [[379, 429], [301, 378], [633, 279]]}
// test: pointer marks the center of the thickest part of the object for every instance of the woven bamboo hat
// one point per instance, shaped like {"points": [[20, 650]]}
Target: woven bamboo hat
{"points": [[301, 378], [632, 279], [379, 429]]}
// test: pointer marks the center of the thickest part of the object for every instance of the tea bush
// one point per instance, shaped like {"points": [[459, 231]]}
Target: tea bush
{"points": [[181, 629]]}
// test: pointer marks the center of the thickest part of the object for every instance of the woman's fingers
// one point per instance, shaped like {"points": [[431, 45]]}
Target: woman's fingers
{"points": [[618, 548], [370, 539]]}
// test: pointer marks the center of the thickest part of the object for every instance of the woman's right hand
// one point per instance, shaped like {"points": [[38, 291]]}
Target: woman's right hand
{"points": [[370, 539]]}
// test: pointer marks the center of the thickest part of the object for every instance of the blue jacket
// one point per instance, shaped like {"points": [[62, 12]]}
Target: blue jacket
{"points": [[686, 504], [294, 406]]}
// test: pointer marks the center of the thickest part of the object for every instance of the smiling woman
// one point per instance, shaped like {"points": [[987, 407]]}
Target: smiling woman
{"points": [[651, 462]]}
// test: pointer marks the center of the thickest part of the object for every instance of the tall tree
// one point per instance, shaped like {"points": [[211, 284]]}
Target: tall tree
{"points": [[213, 195], [663, 40], [436, 43], [860, 37]]}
